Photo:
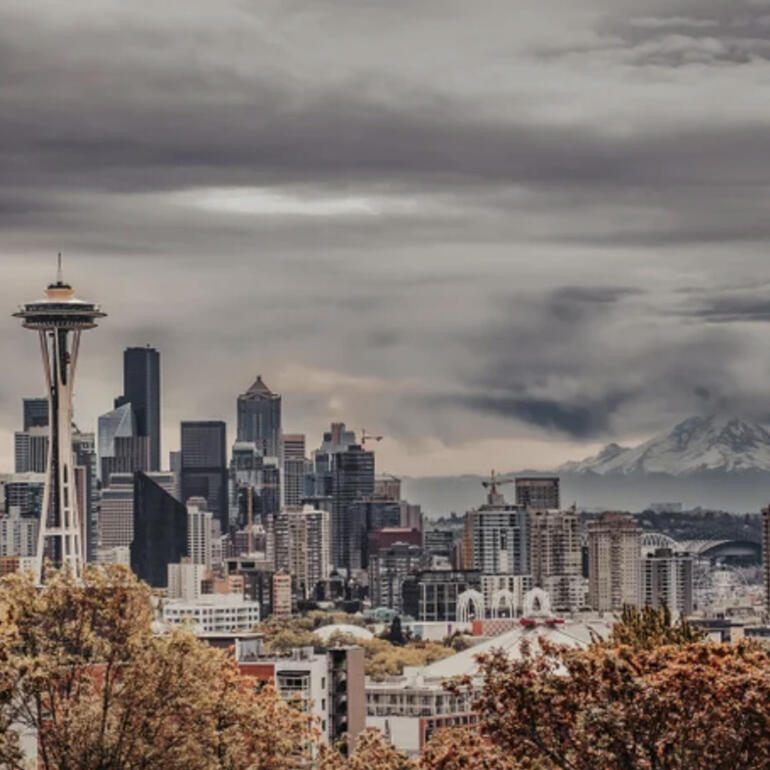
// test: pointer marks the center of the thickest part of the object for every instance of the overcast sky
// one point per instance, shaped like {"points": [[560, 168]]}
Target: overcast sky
{"points": [[500, 233]]}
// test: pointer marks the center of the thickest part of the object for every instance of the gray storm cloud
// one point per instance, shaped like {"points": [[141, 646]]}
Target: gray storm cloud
{"points": [[452, 222]]}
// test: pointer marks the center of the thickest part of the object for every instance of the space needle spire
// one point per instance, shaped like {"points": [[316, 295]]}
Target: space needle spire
{"points": [[59, 320]]}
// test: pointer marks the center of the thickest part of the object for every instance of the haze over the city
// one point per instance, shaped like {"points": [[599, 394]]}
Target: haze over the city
{"points": [[499, 239]]}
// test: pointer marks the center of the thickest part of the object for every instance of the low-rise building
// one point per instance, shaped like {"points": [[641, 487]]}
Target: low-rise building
{"points": [[213, 613]]}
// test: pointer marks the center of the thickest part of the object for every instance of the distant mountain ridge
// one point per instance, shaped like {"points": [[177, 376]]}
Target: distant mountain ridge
{"points": [[719, 462], [717, 443]]}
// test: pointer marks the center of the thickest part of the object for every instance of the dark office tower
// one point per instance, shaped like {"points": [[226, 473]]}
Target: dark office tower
{"points": [[141, 388], [352, 479], [35, 413], [259, 418], [160, 531], [540, 492], [204, 466]]}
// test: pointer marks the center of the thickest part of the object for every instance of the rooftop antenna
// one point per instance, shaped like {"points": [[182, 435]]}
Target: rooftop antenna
{"points": [[59, 271]]}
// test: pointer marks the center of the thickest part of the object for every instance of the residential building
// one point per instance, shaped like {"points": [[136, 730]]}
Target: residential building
{"points": [[499, 539], [18, 534], [766, 554], [388, 568], [259, 419], [614, 562], [213, 613], [30, 449], [283, 598], [555, 555], [185, 580], [538, 492], [667, 578], [204, 466], [199, 535], [160, 528], [303, 546]]}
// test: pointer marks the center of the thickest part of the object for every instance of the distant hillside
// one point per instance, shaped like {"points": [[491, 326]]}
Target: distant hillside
{"points": [[717, 462]]}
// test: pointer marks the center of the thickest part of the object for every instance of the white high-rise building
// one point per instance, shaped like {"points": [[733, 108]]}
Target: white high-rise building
{"points": [[667, 578], [303, 545], [199, 523], [614, 562], [184, 580], [18, 534]]}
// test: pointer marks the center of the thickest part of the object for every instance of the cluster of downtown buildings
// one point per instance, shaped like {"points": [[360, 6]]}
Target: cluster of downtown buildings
{"points": [[231, 533]]}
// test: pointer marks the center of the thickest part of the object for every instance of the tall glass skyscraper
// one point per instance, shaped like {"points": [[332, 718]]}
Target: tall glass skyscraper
{"points": [[204, 466], [259, 418], [141, 388]]}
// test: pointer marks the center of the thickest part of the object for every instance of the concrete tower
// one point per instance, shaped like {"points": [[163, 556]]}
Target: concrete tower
{"points": [[59, 319]]}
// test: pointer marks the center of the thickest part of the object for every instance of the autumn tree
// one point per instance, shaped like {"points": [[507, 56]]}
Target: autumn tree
{"points": [[81, 667]]}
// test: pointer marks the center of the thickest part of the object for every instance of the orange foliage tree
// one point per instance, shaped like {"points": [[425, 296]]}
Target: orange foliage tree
{"points": [[81, 668]]}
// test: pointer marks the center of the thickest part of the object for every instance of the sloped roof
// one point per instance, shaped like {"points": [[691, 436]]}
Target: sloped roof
{"points": [[258, 389]]}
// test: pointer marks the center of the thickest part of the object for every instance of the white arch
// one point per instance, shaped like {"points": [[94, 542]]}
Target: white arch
{"points": [[464, 602], [537, 602], [505, 598]]}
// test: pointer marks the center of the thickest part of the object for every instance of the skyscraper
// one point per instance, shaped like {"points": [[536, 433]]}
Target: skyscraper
{"points": [[160, 530], [614, 568], [259, 418], [204, 466], [352, 479], [556, 556], [141, 388], [121, 448], [59, 321], [667, 578], [295, 468]]}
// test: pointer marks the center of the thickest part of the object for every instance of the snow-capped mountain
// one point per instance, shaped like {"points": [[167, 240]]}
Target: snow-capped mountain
{"points": [[698, 444]]}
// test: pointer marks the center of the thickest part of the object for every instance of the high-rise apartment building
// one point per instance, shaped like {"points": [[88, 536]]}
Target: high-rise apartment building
{"points": [[766, 554], [555, 554], [204, 466], [614, 562], [31, 450], [302, 546], [498, 538], [18, 534], [141, 389], [199, 545], [23, 491], [540, 492], [667, 578], [259, 419], [160, 529]]}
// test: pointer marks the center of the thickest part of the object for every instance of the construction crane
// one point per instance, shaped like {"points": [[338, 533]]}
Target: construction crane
{"points": [[368, 437], [492, 483]]}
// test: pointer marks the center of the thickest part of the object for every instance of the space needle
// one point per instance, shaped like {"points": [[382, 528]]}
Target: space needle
{"points": [[59, 319]]}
